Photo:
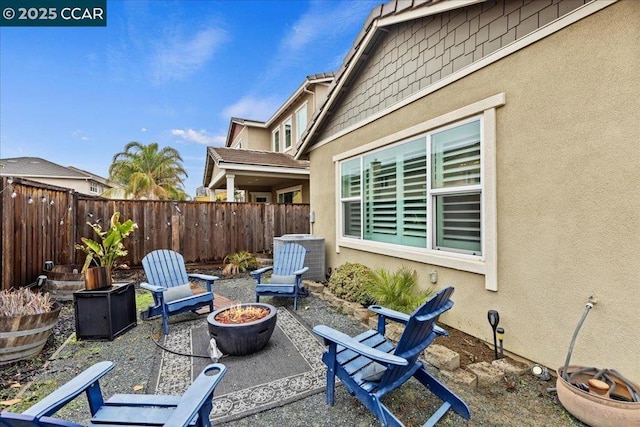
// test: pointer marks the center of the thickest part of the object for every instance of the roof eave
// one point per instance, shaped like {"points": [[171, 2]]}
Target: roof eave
{"points": [[299, 91], [381, 16]]}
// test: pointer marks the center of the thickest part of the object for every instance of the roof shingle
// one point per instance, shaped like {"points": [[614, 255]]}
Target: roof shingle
{"points": [[255, 157]]}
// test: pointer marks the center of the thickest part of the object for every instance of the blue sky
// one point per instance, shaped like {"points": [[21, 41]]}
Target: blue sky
{"points": [[171, 72]]}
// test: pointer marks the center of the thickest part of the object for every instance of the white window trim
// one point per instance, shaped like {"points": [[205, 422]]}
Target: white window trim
{"points": [[273, 140], [485, 264], [288, 190], [300, 130], [237, 143], [289, 121]]}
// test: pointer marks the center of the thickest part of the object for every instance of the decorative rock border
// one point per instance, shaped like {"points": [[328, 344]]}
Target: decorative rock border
{"points": [[482, 374]]}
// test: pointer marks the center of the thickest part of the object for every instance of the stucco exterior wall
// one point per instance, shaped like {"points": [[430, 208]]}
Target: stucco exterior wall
{"points": [[415, 54], [568, 209], [79, 185], [257, 139]]}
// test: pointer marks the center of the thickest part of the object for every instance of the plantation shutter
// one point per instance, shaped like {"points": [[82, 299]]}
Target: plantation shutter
{"points": [[395, 195], [414, 196], [381, 197], [351, 198], [455, 181], [458, 222]]}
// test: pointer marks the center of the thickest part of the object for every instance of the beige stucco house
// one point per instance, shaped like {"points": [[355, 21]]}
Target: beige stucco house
{"points": [[256, 164], [495, 144], [46, 172]]}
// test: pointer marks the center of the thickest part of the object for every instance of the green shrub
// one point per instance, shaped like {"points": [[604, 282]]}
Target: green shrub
{"points": [[350, 282], [239, 263], [398, 291]]}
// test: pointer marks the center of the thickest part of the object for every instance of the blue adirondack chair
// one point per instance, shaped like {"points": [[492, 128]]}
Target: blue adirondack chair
{"points": [[192, 408], [286, 278], [370, 366], [168, 280]]}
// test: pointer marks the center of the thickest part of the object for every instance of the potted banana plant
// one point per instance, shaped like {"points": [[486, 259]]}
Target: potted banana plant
{"points": [[104, 252]]}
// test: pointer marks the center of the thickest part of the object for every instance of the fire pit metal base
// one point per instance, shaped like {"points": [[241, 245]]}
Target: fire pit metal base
{"points": [[243, 338]]}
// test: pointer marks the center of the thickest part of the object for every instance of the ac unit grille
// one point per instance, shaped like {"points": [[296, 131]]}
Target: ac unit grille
{"points": [[314, 259]]}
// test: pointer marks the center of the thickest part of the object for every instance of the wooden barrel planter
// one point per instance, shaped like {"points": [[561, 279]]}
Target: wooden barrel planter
{"points": [[25, 336], [63, 281]]}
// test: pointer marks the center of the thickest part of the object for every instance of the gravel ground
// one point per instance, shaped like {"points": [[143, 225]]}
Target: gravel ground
{"points": [[523, 401]]}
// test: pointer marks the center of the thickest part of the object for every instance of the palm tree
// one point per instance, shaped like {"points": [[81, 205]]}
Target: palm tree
{"points": [[147, 172]]}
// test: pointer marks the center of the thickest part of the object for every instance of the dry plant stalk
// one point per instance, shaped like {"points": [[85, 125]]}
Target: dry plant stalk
{"points": [[23, 302], [242, 314]]}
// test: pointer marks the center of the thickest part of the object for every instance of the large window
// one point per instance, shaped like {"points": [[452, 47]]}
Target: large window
{"points": [[290, 195], [301, 121], [423, 193]]}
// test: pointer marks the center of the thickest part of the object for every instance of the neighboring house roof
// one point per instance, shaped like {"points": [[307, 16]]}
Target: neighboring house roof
{"points": [[391, 13], [251, 160], [38, 168], [319, 78], [237, 121], [255, 157]]}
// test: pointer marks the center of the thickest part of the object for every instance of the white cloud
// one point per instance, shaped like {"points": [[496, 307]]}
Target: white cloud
{"points": [[252, 108], [143, 129], [176, 58], [199, 136], [323, 23], [157, 43], [80, 135]]}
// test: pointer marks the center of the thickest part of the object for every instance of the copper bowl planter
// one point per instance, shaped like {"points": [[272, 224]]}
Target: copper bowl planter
{"points": [[597, 408]]}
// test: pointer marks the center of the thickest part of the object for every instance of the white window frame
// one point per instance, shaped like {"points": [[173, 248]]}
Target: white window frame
{"points": [[485, 264], [300, 129], [288, 190], [93, 186], [287, 145], [276, 146]]}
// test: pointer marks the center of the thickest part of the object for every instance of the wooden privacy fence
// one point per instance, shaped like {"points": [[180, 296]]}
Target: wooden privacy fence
{"points": [[41, 222]]}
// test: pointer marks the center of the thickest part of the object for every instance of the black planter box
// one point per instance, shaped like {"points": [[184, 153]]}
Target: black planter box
{"points": [[106, 313]]}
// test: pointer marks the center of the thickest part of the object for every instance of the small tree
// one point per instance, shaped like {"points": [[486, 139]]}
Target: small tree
{"points": [[109, 246]]}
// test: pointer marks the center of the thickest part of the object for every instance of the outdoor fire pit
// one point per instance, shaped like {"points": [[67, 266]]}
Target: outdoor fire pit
{"points": [[242, 329]]}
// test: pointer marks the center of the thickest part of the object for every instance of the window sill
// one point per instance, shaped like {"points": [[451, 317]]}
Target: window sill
{"points": [[470, 263]]}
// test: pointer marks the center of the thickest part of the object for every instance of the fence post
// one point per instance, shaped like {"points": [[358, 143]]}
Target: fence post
{"points": [[175, 230]]}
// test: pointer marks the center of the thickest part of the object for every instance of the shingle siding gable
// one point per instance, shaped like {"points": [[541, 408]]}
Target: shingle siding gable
{"points": [[413, 55]]}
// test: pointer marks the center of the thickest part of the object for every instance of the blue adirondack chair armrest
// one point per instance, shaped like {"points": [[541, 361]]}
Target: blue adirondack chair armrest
{"points": [[208, 279], [257, 273], [390, 314], [203, 277], [152, 288], [300, 272], [401, 317], [72, 389], [331, 335], [197, 394]]}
